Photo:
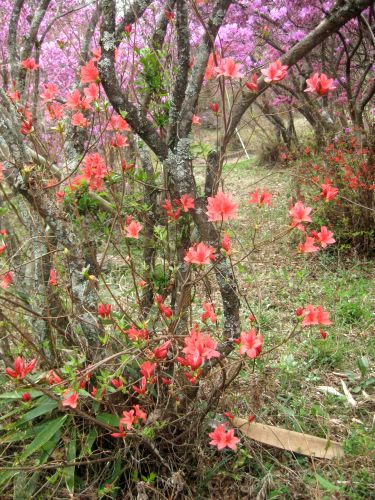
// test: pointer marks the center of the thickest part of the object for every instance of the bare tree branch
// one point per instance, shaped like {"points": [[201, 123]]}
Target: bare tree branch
{"points": [[131, 15], [14, 57], [196, 79], [30, 40], [117, 98], [339, 15], [183, 47]]}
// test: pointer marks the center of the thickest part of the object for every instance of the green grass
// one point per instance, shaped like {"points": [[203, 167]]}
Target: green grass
{"points": [[240, 165]]}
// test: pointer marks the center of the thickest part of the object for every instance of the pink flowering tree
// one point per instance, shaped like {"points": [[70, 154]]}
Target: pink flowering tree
{"points": [[97, 171]]}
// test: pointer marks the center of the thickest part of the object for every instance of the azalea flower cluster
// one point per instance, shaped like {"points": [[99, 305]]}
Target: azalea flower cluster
{"points": [[223, 439], [79, 103], [343, 164], [228, 68], [222, 207], [199, 347], [300, 215], [128, 419], [155, 356], [312, 316], [92, 173], [183, 204]]}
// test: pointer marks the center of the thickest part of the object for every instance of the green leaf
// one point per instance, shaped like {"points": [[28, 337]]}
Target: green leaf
{"points": [[45, 405], [69, 472], [6, 475], [325, 484], [18, 394], [19, 492], [117, 470], [200, 149], [24, 296], [369, 382], [109, 418], [363, 365], [19, 435], [48, 448], [46, 433], [86, 448], [33, 482], [11, 413]]}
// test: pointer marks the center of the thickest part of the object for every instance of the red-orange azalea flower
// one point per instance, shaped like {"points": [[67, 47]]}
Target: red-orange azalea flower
{"points": [[226, 244], [315, 316], [104, 310], [252, 85], [187, 202], [89, 72], [275, 72], [147, 369], [221, 207], [161, 352], [209, 313], [320, 83], [133, 229], [229, 69], [21, 370], [200, 254], [260, 198], [300, 213], [308, 246], [29, 64], [251, 343], [328, 191], [325, 237], [223, 439], [70, 398]]}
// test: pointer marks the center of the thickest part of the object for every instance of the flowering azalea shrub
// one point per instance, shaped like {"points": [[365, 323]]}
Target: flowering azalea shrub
{"points": [[120, 285], [341, 179], [137, 387]]}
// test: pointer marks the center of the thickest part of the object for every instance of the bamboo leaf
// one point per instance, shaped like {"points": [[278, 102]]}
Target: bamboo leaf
{"points": [[14, 395], [46, 433], [45, 405], [109, 418], [6, 475], [19, 435], [86, 447], [69, 472], [325, 484], [12, 437]]}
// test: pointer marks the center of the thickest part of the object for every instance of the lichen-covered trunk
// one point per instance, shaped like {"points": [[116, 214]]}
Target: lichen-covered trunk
{"points": [[179, 168], [149, 251]]}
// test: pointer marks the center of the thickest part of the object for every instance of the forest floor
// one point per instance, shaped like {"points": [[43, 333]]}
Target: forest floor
{"points": [[283, 388]]}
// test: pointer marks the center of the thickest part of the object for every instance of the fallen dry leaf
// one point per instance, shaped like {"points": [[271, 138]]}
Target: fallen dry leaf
{"points": [[326, 389], [348, 395], [297, 442]]}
